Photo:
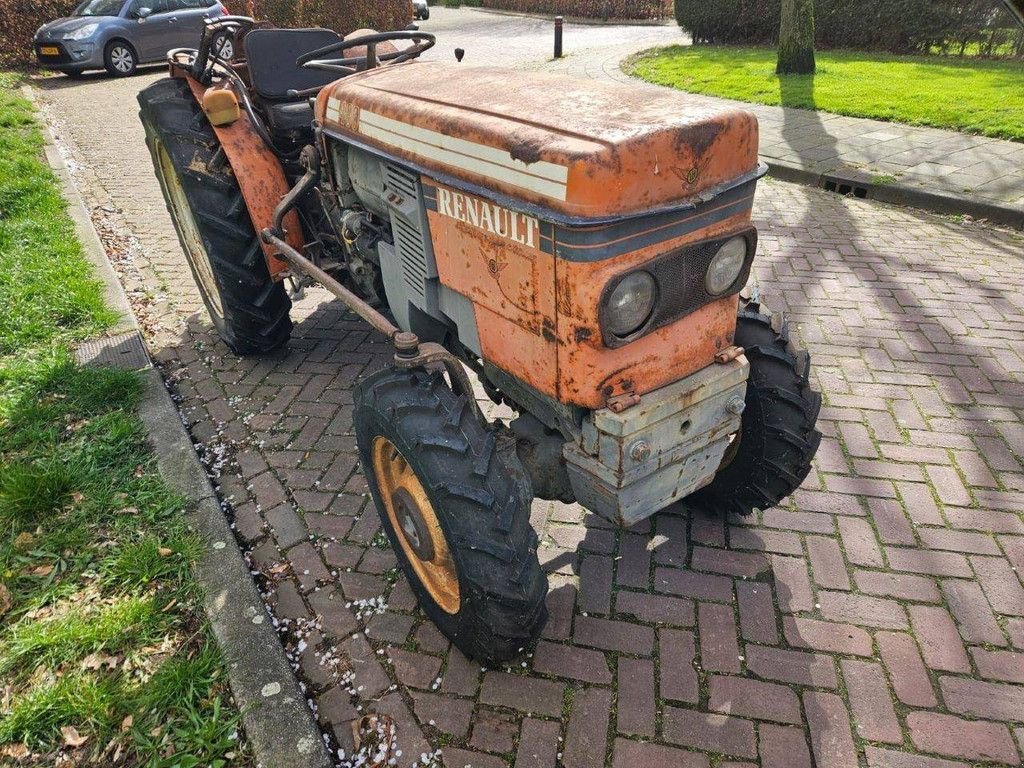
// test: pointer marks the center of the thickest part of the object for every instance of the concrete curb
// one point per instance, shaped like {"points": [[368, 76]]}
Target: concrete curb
{"points": [[898, 194], [278, 723], [578, 19]]}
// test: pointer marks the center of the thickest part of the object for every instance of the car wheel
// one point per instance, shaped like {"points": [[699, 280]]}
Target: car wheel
{"points": [[120, 59], [224, 47]]}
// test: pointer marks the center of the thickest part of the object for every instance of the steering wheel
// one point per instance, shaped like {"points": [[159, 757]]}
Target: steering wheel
{"points": [[346, 66]]}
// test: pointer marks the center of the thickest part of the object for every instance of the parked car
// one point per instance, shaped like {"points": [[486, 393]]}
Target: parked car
{"points": [[118, 35], [420, 9]]}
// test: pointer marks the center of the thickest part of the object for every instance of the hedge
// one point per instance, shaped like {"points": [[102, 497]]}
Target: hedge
{"points": [[588, 9], [898, 26], [19, 20]]}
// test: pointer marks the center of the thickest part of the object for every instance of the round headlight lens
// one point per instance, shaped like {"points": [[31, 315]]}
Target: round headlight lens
{"points": [[726, 267], [630, 304]]}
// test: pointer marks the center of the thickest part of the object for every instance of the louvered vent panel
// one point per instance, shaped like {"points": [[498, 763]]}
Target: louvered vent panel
{"points": [[408, 237]]}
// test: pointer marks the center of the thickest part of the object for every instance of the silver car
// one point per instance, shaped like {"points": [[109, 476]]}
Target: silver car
{"points": [[118, 35]]}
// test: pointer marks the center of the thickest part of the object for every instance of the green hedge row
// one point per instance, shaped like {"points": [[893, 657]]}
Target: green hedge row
{"points": [[588, 9], [899, 26]]}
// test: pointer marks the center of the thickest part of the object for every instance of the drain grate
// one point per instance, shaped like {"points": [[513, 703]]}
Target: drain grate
{"points": [[843, 186], [126, 351]]}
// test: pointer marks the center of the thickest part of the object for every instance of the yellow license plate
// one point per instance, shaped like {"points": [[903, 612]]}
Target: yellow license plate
{"points": [[49, 50]]}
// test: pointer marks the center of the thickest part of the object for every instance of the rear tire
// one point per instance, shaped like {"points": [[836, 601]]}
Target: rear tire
{"points": [[777, 438], [478, 495], [249, 310]]}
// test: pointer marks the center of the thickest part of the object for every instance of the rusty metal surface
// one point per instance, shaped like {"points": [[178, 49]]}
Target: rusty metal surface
{"points": [[259, 176], [629, 464], [581, 147]]}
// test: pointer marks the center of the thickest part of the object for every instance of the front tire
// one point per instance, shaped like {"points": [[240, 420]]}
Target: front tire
{"points": [[455, 504], [771, 455], [120, 59], [249, 310]]}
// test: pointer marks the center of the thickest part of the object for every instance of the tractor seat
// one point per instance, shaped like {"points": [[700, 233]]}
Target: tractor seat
{"points": [[271, 55]]}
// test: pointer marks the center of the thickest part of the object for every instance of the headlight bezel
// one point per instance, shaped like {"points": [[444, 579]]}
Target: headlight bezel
{"points": [[642, 318], [680, 279], [84, 32]]}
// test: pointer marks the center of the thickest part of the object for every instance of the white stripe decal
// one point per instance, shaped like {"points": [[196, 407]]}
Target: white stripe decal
{"points": [[542, 177]]}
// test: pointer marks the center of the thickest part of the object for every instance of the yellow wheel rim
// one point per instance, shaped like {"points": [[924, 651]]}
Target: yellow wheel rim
{"points": [[415, 523]]}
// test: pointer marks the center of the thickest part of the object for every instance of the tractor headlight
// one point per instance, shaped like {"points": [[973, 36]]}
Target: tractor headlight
{"points": [[630, 303], [82, 32], [726, 266]]}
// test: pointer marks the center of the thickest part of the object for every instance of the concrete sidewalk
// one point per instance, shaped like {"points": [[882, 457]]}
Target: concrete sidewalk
{"points": [[927, 168]]}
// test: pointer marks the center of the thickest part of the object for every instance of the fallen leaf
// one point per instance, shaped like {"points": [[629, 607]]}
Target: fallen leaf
{"points": [[78, 497], [5, 599], [16, 750], [23, 541], [41, 570], [72, 737], [140, 471], [96, 661], [165, 552], [127, 723]]}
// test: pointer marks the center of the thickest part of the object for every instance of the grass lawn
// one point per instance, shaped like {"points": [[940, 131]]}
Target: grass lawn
{"points": [[105, 657], [970, 95]]}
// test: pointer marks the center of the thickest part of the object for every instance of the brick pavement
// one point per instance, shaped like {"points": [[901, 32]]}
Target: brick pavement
{"points": [[877, 618]]}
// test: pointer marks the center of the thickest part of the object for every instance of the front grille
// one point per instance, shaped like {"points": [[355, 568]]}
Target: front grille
{"points": [[409, 238], [679, 276]]}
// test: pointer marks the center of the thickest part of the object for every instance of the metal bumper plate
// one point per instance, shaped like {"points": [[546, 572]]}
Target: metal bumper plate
{"points": [[629, 465]]}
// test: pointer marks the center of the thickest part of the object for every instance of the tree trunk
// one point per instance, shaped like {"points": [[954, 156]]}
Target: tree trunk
{"points": [[796, 38]]}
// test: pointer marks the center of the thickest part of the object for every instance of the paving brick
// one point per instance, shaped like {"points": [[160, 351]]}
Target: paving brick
{"points": [[713, 733], [940, 641], [782, 747], [676, 652], [575, 663], [874, 717], [538, 744], [755, 699], [891, 522], [527, 694], [416, 670], [898, 585], [595, 591], [997, 701], [743, 564], [827, 563], [972, 612], [906, 669], [928, 562], [446, 713], [586, 736], [636, 697], [887, 758], [461, 757], [634, 563], [792, 584], [999, 665], [656, 609], [702, 586], [757, 612], [860, 542], [614, 635], [493, 731], [1001, 584], [829, 724], [461, 675], [778, 542], [719, 649], [799, 667], [826, 636], [863, 610], [958, 541], [956, 737], [630, 754]]}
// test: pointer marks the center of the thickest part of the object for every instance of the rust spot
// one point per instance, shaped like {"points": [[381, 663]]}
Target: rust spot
{"points": [[527, 151], [698, 138], [582, 334], [548, 330]]}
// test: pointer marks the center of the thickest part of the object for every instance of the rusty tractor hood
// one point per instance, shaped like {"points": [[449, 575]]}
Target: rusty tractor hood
{"points": [[579, 148]]}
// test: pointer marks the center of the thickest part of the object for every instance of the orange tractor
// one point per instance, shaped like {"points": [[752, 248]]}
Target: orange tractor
{"points": [[581, 248]]}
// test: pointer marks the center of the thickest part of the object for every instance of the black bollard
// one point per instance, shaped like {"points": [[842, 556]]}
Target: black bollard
{"points": [[558, 37]]}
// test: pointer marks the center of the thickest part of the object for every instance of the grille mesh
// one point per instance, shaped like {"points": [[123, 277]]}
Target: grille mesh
{"points": [[408, 236]]}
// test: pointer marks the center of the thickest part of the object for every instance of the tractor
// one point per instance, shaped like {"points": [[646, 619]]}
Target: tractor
{"points": [[581, 249]]}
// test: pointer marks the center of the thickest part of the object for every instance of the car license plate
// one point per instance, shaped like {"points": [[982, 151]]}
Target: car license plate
{"points": [[49, 50]]}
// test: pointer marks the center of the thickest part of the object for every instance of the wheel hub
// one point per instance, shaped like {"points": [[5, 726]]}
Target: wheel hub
{"points": [[413, 525], [410, 514]]}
